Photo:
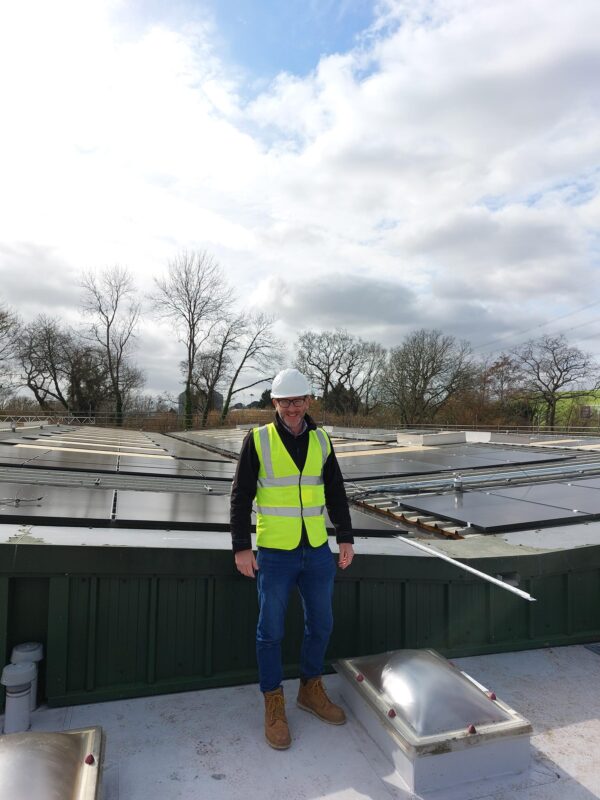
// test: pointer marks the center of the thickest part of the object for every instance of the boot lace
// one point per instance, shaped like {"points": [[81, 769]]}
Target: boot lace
{"points": [[275, 707], [319, 693]]}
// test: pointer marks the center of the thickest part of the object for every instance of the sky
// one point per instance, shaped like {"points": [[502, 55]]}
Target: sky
{"points": [[379, 166]]}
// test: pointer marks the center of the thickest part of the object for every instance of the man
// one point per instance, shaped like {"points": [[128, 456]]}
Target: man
{"points": [[290, 468]]}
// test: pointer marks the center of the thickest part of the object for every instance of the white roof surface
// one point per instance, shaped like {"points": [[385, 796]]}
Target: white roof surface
{"points": [[209, 744]]}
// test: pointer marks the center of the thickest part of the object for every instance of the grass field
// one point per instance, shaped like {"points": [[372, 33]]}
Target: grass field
{"points": [[569, 411]]}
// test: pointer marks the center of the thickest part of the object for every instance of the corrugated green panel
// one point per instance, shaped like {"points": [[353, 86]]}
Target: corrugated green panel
{"points": [[234, 619], [426, 624], [585, 601], [168, 620], [467, 613], [509, 617], [180, 627], [58, 635], [4, 606], [345, 638], [29, 610], [122, 631], [28, 618], [78, 622], [550, 612], [380, 621]]}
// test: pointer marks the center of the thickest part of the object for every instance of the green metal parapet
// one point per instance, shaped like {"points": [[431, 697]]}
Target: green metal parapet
{"points": [[122, 622]]}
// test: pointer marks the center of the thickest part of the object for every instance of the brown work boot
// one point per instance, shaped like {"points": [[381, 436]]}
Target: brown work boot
{"points": [[277, 732], [312, 697]]}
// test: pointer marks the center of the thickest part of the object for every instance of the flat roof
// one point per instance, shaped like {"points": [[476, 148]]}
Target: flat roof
{"points": [[209, 744]]}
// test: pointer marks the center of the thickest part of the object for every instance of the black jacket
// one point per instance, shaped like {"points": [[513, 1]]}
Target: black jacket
{"points": [[243, 489]]}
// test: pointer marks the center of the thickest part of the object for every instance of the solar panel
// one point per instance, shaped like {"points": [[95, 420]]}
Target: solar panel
{"points": [[55, 459], [174, 507], [358, 469], [50, 502], [194, 453], [590, 483], [580, 498], [176, 468], [491, 513]]}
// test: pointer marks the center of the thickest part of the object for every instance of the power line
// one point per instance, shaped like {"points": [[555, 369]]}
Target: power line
{"points": [[591, 336], [541, 325]]}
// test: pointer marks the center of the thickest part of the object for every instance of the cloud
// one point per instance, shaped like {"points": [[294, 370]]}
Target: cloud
{"points": [[34, 280], [337, 300], [516, 252], [159, 354], [442, 173]]}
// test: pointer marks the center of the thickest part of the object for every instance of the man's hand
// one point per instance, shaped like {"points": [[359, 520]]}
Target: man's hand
{"points": [[346, 555], [246, 563]]}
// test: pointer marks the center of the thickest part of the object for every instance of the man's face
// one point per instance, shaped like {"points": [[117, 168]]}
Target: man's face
{"points": [[291, 410]]}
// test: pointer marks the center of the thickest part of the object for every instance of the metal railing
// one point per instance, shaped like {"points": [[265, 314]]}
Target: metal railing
{"points": [[431, 427], [173, 422], [543, 430], [46, 419]]}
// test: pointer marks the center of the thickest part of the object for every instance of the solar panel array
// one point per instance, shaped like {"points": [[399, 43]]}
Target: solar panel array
{"points": [[195, 471], [101, 452], [520, 507], [106, 451], [366, 460]]}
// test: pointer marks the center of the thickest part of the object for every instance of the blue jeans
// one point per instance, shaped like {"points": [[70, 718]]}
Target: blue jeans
{"points": [[312, 570]]}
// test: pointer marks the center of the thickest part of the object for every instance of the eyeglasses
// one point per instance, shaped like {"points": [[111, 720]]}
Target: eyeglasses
{"points": [[285, 402]]}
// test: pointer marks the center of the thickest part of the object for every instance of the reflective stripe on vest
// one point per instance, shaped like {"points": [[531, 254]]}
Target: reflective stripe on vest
{"points": [[290, 480], [285, 497], [276, 511]]}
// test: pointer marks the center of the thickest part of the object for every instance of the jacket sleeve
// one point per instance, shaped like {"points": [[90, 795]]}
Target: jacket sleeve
{"points": [[336, 500], [243, 492]]}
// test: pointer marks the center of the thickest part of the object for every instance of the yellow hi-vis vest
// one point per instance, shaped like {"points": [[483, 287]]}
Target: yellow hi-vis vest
{"points": [[284, 495]]}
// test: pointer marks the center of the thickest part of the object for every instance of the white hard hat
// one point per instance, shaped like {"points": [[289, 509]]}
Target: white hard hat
{"points": [[290, 383]]}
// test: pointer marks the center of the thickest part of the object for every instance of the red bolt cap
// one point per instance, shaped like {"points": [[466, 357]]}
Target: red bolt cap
{"points": [[471, 729], [391, 713], [360, 677], [89, 759], [491, 695]]}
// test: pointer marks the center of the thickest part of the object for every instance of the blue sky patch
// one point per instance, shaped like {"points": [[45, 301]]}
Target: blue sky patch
{"points": [[267, 37]]}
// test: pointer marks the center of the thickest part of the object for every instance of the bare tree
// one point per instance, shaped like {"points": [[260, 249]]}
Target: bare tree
{"points": [[336, 361], [43, 357], [109, 300], [193, 297], [326, 358], [258, 351], [213, 362], [367, 381], [146, 404], [496, 382], [423, 373], [89, 383], [504, 375], [553, 369], [9, 328], [59, 366]]}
